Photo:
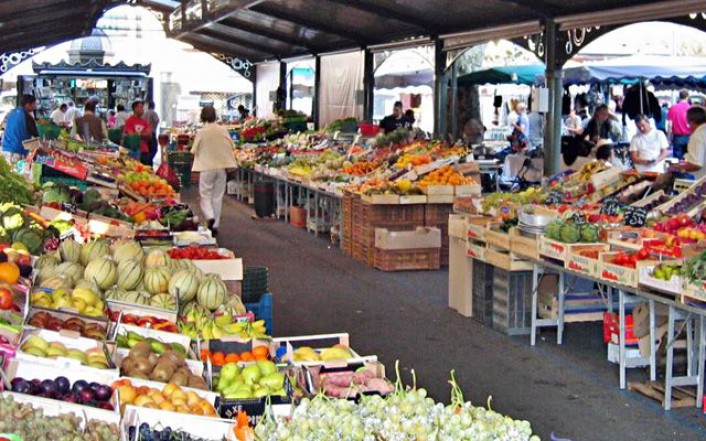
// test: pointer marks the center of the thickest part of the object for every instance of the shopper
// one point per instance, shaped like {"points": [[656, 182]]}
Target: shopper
{"points": [[393, 122], [243, 113], [522, 123], [19, 126], [573, 123], [648, 147], [695, 157], [152, 118], [90, 126], [121, 116], [136, 124], [678, 126], [71, 114], [58, 116], [112, 117], [213, 155], [605, 153], [602, 125]]}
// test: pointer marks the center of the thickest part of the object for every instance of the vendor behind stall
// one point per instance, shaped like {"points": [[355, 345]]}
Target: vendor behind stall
{"points": [[90, 126], [648, 147], [138, 125], [392, 122], [603, 125]]}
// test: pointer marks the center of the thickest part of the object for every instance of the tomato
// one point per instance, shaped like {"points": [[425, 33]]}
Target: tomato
{"points": [[643, 254], [6, 299]]}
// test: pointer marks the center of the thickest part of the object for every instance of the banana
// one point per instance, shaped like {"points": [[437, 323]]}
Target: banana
{"points": [[223, 320], [218, 333]]}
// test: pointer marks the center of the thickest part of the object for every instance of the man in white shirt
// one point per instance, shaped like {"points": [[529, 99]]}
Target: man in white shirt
{"points": [[121, 116], [648, 147], [58, 116], [695, 157], [71, 114]]}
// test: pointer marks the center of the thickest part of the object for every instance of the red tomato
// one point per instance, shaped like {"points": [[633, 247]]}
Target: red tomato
{"points": [[6, 299], [643, 254]]}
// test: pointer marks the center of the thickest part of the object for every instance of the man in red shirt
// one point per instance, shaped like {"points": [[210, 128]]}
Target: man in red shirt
{"points": [[678, 126], [136, 124]]}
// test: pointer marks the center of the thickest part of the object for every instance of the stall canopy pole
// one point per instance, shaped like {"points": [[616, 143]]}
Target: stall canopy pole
{"points": [[454, 101], [440, 89], [368, 85], [281, 103], [317, 92], [554, 75]]}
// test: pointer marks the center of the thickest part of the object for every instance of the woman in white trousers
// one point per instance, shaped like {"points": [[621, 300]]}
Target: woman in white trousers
{"points": [[213, 155]]}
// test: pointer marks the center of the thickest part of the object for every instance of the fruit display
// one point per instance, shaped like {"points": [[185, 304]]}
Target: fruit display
{"points": [[406, 414], [172, 398], [94, 357], [359, 168], [146, 433], [684, 204], [144, 321], [148, 185], [568, 231], [168, 366], [349, 383], [666, 272], [531, 195], [338, 352], [410, 159], [45, 320], [30, 423], [445, 176], [82, 300], [130, 339], [258, 353], [252, 381], [195, 252], [672, 225], [694, 268], [662, 199], [80, 392], [629, 259]]}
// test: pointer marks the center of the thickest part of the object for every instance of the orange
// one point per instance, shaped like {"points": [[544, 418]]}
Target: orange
{"points": [[247, 356], [232, 358], [260, 357], [206, 355], [261, 350], [9, 273], [218, 359]]}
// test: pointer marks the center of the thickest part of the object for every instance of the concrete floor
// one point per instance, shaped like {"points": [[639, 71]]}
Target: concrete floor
{"points": [[569, 390]]}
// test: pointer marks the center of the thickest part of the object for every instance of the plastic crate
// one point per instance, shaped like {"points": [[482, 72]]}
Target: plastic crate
{"points": [[263, 310], [512, 301], [482, 292], [255, 283], [369, 130]]}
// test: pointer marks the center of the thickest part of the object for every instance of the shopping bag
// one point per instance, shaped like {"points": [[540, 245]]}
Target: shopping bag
{"points": [[165, 172]]}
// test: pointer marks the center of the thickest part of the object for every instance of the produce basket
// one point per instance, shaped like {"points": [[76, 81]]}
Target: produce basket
{"points": [[114, 135], [48, 131], [255, 284], [132, 143]]}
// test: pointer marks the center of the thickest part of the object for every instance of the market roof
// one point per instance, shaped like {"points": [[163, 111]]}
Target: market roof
{"points": [[261, 30]]}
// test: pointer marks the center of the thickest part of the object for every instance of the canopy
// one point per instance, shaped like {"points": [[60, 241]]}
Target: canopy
{"points": [[503, 75]]}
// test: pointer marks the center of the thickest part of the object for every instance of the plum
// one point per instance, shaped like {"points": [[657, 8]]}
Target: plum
{"points": [[79, 386], [102, 393], [62, 384]]}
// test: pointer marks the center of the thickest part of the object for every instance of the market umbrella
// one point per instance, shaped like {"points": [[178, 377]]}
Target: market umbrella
{"points": [[526, 74]]}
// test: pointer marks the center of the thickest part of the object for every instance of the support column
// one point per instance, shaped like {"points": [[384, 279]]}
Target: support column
{"points": [[281, 103], [454, 101], [253, 103], [440, 89], [317, 92], [555, 77], [368, 85]]}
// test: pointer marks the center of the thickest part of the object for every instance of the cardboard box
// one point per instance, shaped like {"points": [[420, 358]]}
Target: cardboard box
{"points": [[286, 346], [227, 269], [52, 408], [641, 318], [422, 237], [614, 354], [201, 426], [644, 343], [675, 285]]}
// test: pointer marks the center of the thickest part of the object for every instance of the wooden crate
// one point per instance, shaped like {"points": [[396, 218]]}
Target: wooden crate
{"points": [[523, 246], [561, 251], [407, 260], [497, 239], [506, 261]]}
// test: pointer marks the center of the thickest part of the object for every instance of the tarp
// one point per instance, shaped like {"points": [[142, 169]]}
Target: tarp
{"points": [[503, 75], [341, 78]]}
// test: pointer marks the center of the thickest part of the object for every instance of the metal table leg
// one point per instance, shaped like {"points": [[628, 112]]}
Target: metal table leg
{"points": [[701, 360], [560, 323], [670, 359], [653, 348]]}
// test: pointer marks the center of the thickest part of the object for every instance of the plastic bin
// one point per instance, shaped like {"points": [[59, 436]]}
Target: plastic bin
{"points": [[255, 284], [369, 130], [263, 310], [482, 302], [512, 301]]}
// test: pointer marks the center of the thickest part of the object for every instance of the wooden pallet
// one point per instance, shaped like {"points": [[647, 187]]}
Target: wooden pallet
{"points": [[681, 396]]}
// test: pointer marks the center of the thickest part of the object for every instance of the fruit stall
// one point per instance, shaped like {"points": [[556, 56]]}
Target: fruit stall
{"points": [[594, 245], [138, 331]]}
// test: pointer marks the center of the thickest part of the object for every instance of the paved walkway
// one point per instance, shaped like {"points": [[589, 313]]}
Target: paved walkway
{"points": [[570, 390]]}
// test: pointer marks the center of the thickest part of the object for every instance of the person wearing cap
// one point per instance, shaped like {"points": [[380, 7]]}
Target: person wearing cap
{"points": [[695, 157], [648, 147], [678, 125]]}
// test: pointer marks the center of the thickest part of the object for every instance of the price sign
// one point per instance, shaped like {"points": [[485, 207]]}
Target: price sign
{"points": [[579, 218], [634, 216], [554, 198], [611, 207]]}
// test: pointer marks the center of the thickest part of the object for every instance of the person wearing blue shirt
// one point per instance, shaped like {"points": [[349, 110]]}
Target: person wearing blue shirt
{"points": [[20, 126]]}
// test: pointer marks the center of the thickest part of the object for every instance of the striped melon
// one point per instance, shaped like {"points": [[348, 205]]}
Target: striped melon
{"points": [[164, 301], [157, 258], [233, 306], [156, 279], [184, 284], [212, 293], [115, 294], [127, 249], [137, 297], [93, 250], [103, 271], [70, 250], [71, 270], [130, 274], [44, 274], [47, 261]]}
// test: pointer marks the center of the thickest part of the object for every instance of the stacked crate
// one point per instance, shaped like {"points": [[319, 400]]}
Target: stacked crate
{"points": [[482, 292], [437, 216], [347, 214], [512, 301]]}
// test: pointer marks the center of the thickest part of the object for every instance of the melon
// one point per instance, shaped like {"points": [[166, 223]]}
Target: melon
{"points": [[71, 270], [115, 294], [137, 297], [57, 282], [93, 250], [87, 284], [44, 274], [47, 261], [164, 301], [212, 293], [232, 307], [70, 250], [130, 274], [103, 271], [127, 249], [157, 258], [156, 279], [184, 284]]}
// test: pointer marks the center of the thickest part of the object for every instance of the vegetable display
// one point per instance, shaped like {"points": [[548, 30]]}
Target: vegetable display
{"points": [[13, 187]]}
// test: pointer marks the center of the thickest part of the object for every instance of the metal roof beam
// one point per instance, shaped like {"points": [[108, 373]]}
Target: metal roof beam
{"points": [[221, 46], [217, 16], [544, 9], [270, 33], [40, 17], [298, 19], [386, 12], [226, 33], [23, 42]]}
